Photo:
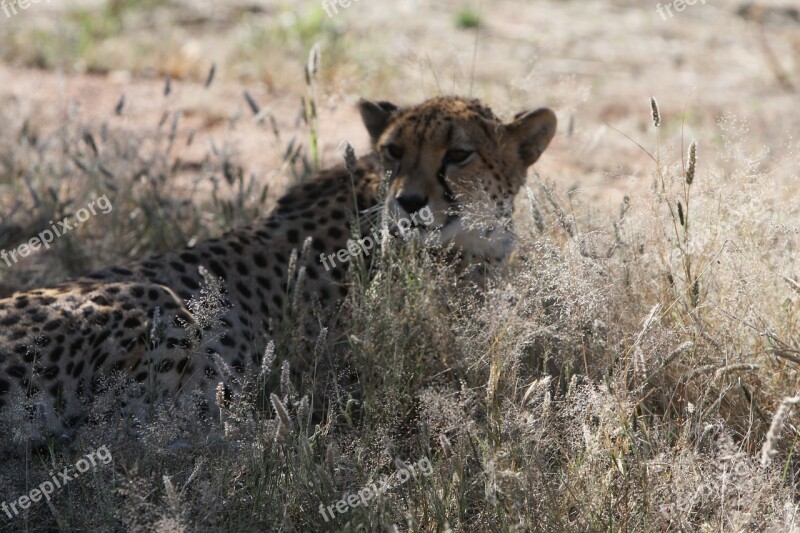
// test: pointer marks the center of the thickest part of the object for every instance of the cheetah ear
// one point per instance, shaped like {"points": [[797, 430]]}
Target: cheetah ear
{"points": [[531, 132], [376, 116]]}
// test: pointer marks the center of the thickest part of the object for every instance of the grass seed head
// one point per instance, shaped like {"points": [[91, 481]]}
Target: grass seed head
{"points": [[692, 162], [447, 448], [768, 451], [655, 111], [349, 158], [268, 359], [220, 394], [280, 410], [312, 69]]}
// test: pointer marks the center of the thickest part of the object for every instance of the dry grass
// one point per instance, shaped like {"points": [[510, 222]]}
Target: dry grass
{"points": [[636, 370]]}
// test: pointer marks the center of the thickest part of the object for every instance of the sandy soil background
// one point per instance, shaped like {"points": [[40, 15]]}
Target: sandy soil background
{"points": [[596, 62]]}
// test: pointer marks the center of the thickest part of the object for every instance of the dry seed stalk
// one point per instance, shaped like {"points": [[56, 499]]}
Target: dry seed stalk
{"points": [[655, 111], [768, 451], [280, 410], [690, 169]]}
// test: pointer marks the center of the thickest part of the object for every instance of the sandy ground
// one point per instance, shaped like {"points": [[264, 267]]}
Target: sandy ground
{"points": [[596, 62]]}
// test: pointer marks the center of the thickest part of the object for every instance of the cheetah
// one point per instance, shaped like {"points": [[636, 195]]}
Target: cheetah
{"points": [[448, 156]]}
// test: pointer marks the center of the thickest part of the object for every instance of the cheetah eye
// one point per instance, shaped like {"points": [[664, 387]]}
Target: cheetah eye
{"points": [[456, 157], [393, 151]]}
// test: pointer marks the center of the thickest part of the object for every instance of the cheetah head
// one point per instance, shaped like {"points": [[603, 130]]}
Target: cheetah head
{"points": [[457, 167]]}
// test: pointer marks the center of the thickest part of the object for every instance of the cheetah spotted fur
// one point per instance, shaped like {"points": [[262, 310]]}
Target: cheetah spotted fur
{"points": [[451, 155]]}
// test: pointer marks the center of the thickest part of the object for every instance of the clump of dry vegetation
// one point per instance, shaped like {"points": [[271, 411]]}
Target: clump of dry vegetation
{"points": [[623, 375]]}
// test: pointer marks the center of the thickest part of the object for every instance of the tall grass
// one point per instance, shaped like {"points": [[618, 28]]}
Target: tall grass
{"points": [[628, 373]]}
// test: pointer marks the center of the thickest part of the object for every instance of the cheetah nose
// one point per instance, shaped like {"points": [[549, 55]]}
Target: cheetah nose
{"points": [[411, 203]]}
